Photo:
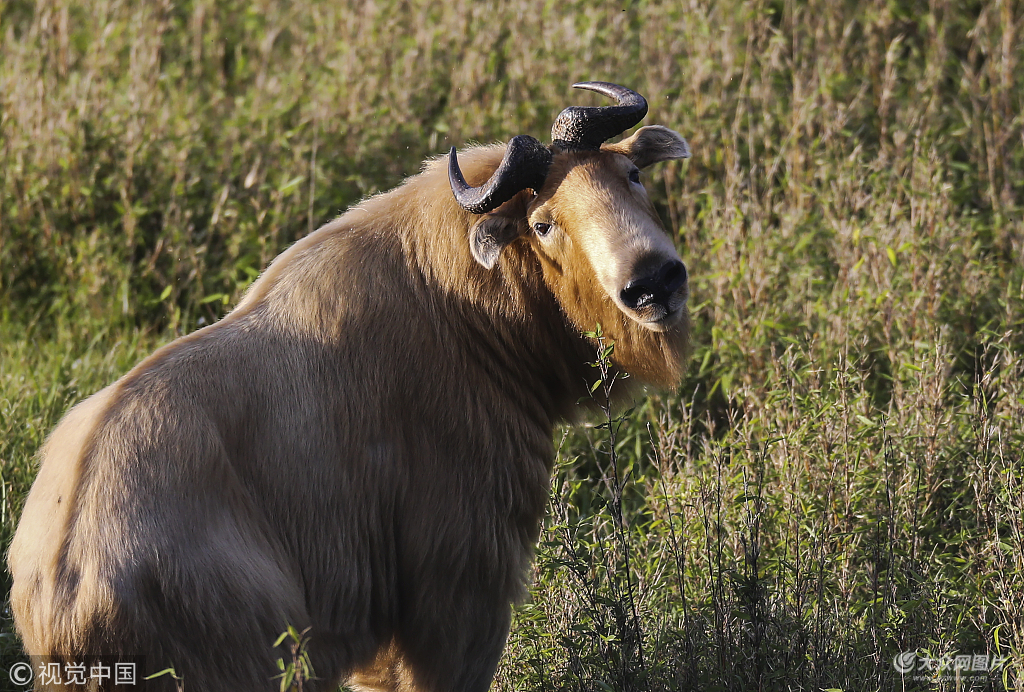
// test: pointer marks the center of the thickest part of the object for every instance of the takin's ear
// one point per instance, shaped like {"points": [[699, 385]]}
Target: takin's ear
{"points": [[496, 229], [650, 145], [490, 235]]}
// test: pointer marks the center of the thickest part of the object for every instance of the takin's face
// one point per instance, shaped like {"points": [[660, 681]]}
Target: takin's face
{"points": [[596, 234], [599, 238]]}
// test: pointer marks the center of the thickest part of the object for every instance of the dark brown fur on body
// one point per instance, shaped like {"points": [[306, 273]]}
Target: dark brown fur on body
{"points": [[362, 447]]}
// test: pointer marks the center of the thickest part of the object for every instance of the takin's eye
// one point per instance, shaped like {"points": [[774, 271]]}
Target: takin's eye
{"points": [[541, 229], [634, 176]]}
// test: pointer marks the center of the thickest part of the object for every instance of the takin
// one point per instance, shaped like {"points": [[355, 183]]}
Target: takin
{"points": [[362, 448]]}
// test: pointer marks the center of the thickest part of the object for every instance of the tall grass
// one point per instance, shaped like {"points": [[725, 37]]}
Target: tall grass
{"points": [[838, 480]]}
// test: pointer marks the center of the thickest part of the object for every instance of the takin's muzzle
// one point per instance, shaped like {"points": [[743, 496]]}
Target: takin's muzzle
{"points": [[655, 290]]}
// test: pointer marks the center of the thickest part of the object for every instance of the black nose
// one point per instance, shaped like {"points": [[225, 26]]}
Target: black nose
{"points": [[655, 288]]}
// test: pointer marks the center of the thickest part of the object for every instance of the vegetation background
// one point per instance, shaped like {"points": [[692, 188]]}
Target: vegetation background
{"points": [[840, 477]]}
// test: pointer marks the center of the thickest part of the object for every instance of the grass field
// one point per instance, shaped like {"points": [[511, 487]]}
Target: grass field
{"points": [[840, 477]]}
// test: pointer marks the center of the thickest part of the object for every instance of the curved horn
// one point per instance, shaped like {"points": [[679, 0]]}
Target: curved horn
{"points": [[525, 165], [578, 128]]}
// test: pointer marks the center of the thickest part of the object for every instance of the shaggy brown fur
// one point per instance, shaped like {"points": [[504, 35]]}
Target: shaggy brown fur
{"points": [[362, 447]]}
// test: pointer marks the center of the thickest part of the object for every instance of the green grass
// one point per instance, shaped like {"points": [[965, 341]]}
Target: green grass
{"points": [[839, 479]]}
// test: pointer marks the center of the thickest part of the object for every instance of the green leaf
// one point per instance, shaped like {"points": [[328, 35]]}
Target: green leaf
{"points": [[804, 241], [291, 185], [892, 255], [165, 671]]}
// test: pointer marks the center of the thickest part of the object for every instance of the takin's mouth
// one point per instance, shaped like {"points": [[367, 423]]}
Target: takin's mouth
{"points": [[658, 318]]}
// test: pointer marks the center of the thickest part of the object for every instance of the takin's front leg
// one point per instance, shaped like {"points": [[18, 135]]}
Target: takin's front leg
{"points": [[442, 647], [385, 674]]}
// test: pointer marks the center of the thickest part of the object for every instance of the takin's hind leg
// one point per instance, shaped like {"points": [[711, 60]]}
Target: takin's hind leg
{"points": [[215, 633], [211, 611], [217, 637], [216, 624]]}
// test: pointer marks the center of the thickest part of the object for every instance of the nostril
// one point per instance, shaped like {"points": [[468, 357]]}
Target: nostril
{"points": [[638, 293], [672, 276]]}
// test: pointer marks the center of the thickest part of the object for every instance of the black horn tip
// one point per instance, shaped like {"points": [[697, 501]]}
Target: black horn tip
{"points": [[615, 91], [472, 199], [454, 172]]}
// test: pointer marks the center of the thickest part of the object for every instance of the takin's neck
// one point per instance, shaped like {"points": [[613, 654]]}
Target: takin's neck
{"points": [[505, 317], [509, 307]]}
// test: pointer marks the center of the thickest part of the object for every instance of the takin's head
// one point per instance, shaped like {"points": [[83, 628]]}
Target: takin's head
{"points": [[589, 220]]}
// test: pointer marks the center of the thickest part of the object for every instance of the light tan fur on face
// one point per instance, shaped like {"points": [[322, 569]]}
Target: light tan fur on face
{"points": [[607, 220], [362, 447], [605, 232]]}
